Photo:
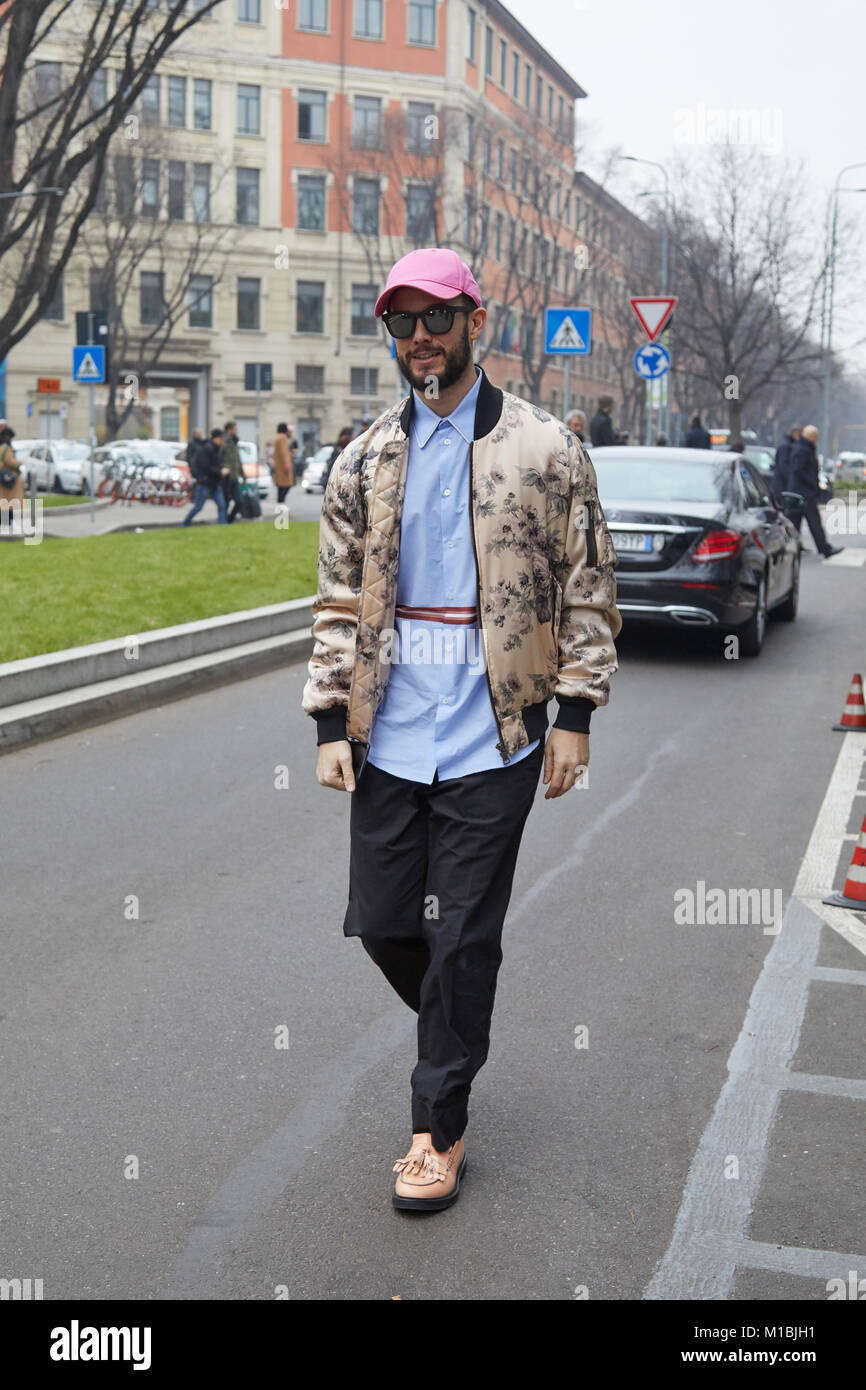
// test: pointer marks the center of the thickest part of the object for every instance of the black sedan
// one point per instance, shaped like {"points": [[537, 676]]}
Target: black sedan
{"points": [[700, 541]]}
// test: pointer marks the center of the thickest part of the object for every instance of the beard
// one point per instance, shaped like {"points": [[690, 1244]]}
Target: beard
{"points": [[456, 360]]}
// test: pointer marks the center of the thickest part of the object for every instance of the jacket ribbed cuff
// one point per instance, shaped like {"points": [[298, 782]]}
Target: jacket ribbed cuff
{"points": [[574, 713], [330, 724]]}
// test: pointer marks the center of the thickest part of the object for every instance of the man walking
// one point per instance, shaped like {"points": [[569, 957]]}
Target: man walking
{"points": [[465, 577], [204, 466], [697, 437], [803, 478], [601, 429], [231, 469], [577, 424]]}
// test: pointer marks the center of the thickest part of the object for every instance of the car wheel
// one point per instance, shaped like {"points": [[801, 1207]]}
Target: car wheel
{"points": [[56, 485], [751, 634], [787, 610], [85, 488]]}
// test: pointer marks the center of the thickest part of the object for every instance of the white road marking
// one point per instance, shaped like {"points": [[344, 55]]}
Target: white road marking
{"points": [[709, 1240], [849, 559]]}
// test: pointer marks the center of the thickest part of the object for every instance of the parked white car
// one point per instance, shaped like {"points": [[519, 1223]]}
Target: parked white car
{"points": [[59, 465], [315, 474]]}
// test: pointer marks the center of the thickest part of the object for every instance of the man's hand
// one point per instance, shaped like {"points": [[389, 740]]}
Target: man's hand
{"points": [[334, 766], [565, 755], [224, 472]]}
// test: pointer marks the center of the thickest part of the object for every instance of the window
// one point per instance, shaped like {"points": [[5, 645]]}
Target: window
{"points": [[514, 158], [485, 228], [503, 63], [365, 206], [101, 204], [176, 190], [539, 94], [364, 381], [488, 151], [249, 118], [566, 212], [367, 123], [200, 292], [422, 21], [124, 185], [250, 11], [515, 75], [550, 106], [47, 81], [98, 90], [470, 139], [418, 115], [497, 236], [248, 197], [500, 160], [561, 115], [249, 302], [488, 52], [54, 310], [368, 19], [527, 87], [152, 308], [311, 115], [201, 100], [468, 217], [470, 34], [201, 192], [309, 380], [420, 214], [311, 202], [363, 303], [313, 14], [150, 101], [169, 422], [311, 306], [177, 101]]}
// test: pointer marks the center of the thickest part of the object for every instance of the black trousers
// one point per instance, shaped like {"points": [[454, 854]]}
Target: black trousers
{"points": [[813, 517], [431, 869]]}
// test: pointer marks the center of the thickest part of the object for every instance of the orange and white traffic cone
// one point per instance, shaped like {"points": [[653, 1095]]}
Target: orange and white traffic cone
{"points": [[854, 713], [854, 892]]}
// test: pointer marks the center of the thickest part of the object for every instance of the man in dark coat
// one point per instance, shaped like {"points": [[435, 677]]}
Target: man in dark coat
{"points": [[697, 437], [803, 478], [601, 429], [782, 465], [204, 465]]}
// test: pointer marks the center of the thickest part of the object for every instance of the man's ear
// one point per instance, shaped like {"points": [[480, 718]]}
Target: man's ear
{"points": [[477, 319]]}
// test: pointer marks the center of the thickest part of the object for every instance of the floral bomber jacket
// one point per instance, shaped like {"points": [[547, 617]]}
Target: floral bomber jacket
{"points": [[544, 558]]}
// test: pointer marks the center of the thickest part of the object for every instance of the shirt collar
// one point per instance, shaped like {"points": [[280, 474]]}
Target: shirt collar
{"points": [[426, 421]]}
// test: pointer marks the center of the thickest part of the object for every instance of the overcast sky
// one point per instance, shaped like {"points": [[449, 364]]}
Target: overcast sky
{"points": [[657, 70]]}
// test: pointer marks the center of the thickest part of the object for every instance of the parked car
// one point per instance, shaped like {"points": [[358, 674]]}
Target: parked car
{"points": [[699, 541], [253, 469], [851, 466], [315, 473], [59, 465]]}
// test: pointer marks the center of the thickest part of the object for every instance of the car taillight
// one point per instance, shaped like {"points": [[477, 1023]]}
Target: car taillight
{"points": [[717, 545]]}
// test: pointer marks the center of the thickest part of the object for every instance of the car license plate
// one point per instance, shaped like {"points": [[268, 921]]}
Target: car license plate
{"points": [[632, 540]]}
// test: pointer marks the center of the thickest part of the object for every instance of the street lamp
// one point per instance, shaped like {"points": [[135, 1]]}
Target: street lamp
{"points": [[829, 293], [652, 164]]}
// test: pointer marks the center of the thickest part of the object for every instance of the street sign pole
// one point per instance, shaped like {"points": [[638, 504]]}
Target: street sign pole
{"points": [[565, 366], [92, 441], [258, 407]]}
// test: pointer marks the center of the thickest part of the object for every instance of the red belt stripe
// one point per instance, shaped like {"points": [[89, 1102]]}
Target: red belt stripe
{"points": [[460, 617]]}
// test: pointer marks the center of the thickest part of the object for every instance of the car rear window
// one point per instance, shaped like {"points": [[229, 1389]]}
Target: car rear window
{"points": [[661, 480]]}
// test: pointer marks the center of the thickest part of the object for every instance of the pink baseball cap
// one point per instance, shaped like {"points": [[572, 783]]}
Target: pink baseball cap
{"points": [[434, 269]]}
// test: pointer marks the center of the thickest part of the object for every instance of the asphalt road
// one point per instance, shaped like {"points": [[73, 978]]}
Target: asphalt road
{"points": [[166, 908]]}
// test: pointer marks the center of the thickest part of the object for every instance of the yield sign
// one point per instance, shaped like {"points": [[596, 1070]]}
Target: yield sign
{"points": [[653, 314]]}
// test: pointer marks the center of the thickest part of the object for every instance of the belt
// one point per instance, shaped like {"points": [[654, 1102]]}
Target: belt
{"points": [[459, 617]]}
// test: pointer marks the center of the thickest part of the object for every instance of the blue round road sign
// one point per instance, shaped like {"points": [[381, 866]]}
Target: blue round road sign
{"points": [[652, 361]]}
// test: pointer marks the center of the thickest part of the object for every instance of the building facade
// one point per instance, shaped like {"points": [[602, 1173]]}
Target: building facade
{"points": [[284, 156]]}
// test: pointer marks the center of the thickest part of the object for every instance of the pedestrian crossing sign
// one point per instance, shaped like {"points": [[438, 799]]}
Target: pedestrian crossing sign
{"points": [[88, 363], [568, 331]]}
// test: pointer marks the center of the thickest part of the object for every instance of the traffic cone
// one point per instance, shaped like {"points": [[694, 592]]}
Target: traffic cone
{"points": [[854, 892], [854, 713]]}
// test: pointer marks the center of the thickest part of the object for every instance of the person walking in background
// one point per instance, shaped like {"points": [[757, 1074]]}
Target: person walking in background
{"points": [[601, 431], [284, 464], [661, 441], [782, 463], [205, 468], [345, 437], [231, 469], [697, 437], [11, 479], [803, 478], [577, 424]]}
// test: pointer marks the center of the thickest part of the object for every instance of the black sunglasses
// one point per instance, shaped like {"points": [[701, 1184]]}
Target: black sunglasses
{"points": [[439, 318]]}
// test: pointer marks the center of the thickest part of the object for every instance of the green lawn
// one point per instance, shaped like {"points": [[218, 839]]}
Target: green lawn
{"points": [[63, 499], [63, 593]]}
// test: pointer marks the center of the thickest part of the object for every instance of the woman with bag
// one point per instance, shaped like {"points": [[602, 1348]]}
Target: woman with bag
{"points": [[284, 468], [11, 481]]}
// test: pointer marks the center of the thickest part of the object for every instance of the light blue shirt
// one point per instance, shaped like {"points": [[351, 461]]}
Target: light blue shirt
{"points": [[436, 713]]}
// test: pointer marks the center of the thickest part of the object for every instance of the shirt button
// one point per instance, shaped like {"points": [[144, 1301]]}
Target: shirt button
{"points": [[451, 545], [447, 492], [445, 699]]}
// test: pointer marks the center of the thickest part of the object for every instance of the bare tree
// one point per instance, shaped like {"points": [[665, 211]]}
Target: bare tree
{"points": [[54, 135]]}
